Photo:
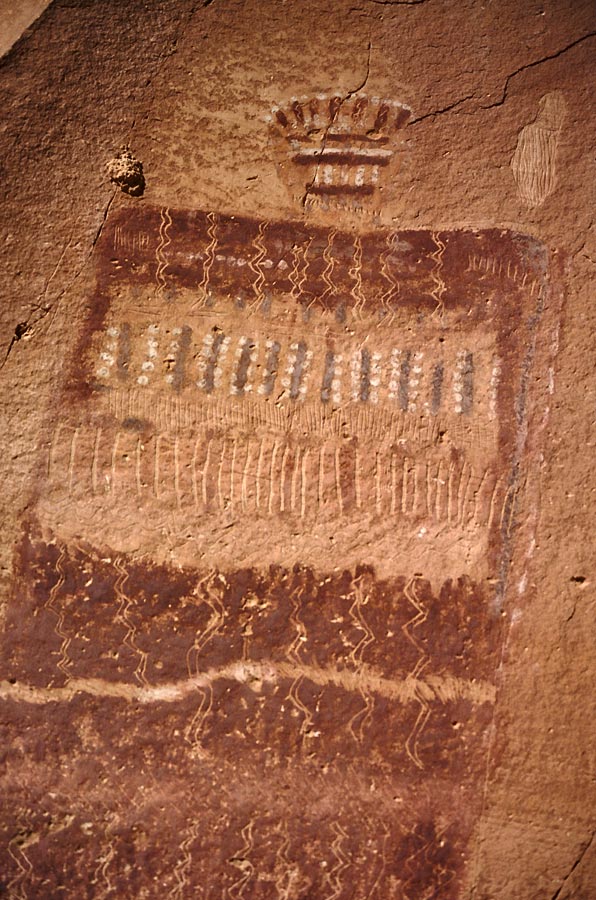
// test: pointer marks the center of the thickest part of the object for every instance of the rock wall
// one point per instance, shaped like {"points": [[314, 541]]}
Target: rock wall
{"points": [[298, 389]]}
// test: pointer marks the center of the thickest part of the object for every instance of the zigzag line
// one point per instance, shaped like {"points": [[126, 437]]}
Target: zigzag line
{"points": [[209, 260], [63, 663], [164, 241], [216, 620], [294, 654], [126, 603], [355, 272], [367, 638], [241, 862], [15, 887], [254, 266], [423, 715], [329, 267], [182, 867], [298, 278], [393, 291], [105, 860], [192, 733], [440, 287], [343, 861]]}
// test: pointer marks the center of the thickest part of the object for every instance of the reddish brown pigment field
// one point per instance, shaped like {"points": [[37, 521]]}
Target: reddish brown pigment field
{"points": [[297, 459]]}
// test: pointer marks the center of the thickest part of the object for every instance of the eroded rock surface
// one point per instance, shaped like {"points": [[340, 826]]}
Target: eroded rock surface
{"points": [[283, 430]]}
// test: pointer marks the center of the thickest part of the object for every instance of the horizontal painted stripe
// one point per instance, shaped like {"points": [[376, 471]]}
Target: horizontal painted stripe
{"points": [[343, 156], [440, 688], [335, 189]]}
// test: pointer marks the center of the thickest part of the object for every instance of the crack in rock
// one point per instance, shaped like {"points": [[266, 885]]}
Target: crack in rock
{"points": [[577, 862], [25, 330], [537, 62], [349, 94], [508, 79], [439, 112]]}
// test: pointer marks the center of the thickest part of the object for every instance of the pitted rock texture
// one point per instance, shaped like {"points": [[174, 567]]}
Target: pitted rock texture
{"points": [[296, 453]]}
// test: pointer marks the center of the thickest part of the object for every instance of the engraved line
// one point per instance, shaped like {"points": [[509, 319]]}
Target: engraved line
{"points": [[254, 264], [220, 495], [205, 470], [320, 492], [63, 661], [258, 475], [439, 283], [209, 259], [282, 480], [177, 473], [340, 500], [294, 483], [95, 461], [303, 484], [125, 604], [182, 868], [164, 241], [271, 476], [138, 452], [245, 474], [241, 861]]}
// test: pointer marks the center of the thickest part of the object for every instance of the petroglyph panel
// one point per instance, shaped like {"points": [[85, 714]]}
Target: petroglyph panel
{"points": [[319, 382], [301, 674], [272, 535]]}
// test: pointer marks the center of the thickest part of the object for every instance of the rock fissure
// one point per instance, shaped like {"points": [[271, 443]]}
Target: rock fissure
{"points": [[534, 64], [440, 112], [26, 328], [575, 865], [324, 140]]}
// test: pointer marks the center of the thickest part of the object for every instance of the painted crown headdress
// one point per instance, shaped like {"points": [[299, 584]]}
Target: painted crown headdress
{"points": [[341, 146]]}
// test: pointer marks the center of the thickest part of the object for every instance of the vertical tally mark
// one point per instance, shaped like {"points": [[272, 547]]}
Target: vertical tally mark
{"points": [[366, 375], [296, 387], [271, 366], [399, 378], [463, 383], [436, 388], [107, 355], [148, 365], [294, 381], [328, 374], [364, 386], [245, 355], [403, 389], [177, 356], [414, 381], [493, 397], [213, 353], [123, 357]]}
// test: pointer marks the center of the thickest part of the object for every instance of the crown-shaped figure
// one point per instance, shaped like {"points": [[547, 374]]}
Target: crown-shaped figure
{"points": [[339, 148]]}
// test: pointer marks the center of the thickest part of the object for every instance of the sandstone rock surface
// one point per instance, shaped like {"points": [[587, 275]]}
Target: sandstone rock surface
{"points": [[298, 402]]}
